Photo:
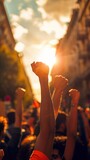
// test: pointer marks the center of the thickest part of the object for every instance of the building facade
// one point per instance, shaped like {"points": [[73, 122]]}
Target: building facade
{"points": [[6, 35], [73, 51], [6, 38]]}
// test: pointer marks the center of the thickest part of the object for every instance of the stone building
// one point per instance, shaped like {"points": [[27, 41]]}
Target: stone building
{"points": [[6, 35], [73, 51], [6, 38]]}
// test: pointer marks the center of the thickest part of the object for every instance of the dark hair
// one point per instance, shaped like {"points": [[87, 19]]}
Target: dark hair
{"points": [[59, 144], [37, 128], [26, 148], [61, 118], [11, 117], [3, 124]]}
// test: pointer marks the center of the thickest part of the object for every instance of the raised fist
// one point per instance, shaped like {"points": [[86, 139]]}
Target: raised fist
{"points": [[75, 95], [60, 82], [1, 154], [20, 92], [40, 69]]}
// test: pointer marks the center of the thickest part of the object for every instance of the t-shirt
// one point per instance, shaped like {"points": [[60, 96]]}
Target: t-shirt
{"points": [[37, 155], [12, 144]]}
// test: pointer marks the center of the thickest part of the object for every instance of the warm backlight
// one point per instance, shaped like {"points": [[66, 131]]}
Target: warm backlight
{"points": [[47, 56]]}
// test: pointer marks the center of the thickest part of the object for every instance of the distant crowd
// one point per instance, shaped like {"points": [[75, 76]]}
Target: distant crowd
{"points": [[45, 132]]}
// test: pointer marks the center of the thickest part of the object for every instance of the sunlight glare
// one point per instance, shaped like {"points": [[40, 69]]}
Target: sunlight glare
{"points": [[19, 47], [65, 19], [47, 56]]}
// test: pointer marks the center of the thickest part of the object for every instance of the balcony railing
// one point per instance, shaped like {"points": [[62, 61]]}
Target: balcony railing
{"points": [[87, 21], [84, 56], [88, 47], [82, 35]]}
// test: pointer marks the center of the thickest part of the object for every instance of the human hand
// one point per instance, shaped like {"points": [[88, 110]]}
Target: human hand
{"points": [[1, 154], [75, 95], [40, 69], [60, 82], [80, 109], [20, 92]]}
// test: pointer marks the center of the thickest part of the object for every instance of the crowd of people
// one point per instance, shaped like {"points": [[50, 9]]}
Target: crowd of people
{"points": [[51, 135]]}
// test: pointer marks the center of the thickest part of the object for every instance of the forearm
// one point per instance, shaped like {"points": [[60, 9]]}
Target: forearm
{"points": [[56, 98], [72, 122], [44, 141], [60, 83], [86, 126], [18, 116], [72, 128], [19, 106], [71, 134], [47, 112]]}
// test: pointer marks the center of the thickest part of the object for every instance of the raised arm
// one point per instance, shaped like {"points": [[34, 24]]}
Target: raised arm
{"points": [[72, 125], [85, 123], [1, 154], [19, 106], [44, 142], [60, 83]]}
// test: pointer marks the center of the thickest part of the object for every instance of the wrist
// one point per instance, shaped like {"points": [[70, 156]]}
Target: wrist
{"points": [[43, 79]]}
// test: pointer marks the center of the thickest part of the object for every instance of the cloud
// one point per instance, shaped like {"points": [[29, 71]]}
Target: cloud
{"points": [[26, 14], [38, 28], [43, 12], [58, 8], [53, 26], [35, 23], [27, 32], [40, 2], [37, 31], [35, 36], [31, 28], [18, 31], [64, 19], [14, 18]]}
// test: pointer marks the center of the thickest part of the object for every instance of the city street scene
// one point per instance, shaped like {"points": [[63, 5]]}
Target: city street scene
{"points": [[44, 79]]}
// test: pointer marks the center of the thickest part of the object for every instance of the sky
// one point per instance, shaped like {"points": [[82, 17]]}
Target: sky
{"points": [[37, 25]]}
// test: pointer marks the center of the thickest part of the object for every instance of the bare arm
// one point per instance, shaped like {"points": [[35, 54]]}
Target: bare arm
{"points": [[19, 106], [1, 154], [60, 83], [72, 125], [86, 123], [44, 141], [2, 109]]}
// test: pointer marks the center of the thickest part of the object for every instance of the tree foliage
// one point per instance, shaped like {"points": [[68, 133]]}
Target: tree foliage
{"points": [[9, 70]]}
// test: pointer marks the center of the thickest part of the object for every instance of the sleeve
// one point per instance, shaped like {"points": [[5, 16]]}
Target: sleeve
{"points": [[38, 155]]}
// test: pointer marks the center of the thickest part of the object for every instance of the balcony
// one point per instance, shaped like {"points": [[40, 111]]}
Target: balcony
{"points": [[88, 47], [84, 56], [87, 21], [81, 35]]}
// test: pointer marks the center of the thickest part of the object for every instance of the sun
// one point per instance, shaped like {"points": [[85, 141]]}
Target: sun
{"points": [[47, 55]]}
